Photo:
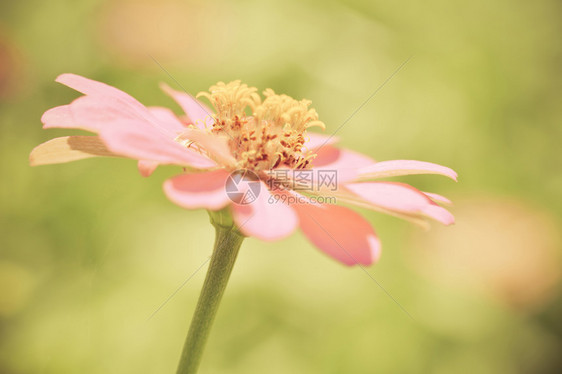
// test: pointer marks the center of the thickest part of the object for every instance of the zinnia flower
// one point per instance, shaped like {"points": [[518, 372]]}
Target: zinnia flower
{"points": [[246, 134]]}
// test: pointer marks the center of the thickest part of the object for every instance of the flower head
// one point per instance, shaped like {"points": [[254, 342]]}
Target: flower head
{"points": [[296, 175]]}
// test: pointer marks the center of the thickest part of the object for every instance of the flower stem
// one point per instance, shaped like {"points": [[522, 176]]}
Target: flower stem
{"points": [[227, 244]]}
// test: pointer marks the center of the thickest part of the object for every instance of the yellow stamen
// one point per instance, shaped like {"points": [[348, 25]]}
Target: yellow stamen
{"points": [[264, 134]]}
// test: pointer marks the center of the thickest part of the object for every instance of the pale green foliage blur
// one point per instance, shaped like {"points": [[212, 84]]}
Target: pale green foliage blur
{"points": [[89, 250]]}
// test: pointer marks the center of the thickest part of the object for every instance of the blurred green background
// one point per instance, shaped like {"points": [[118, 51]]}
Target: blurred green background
{"points": [[90, 250]]}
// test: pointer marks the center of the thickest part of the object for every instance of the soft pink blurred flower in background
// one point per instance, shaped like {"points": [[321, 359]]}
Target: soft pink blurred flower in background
{"points": [[513, 254], [12, 75], [170, 30], [212, 146]]}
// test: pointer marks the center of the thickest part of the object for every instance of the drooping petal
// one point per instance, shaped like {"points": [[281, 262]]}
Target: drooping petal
{"points": [[401, 198], [344, 162], [68, 148], [265, 218], [59, 117], [316, 140], [197, 112], [200, 190], [345, 196], [146, 167], [339, 232], [394, 168]]}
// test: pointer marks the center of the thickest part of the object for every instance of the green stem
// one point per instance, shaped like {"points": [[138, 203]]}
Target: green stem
{"points": [[227, 244]]}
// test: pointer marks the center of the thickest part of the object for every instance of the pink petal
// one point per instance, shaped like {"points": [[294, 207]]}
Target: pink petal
{"points": [[201, 190], [339, 232], [146, 168], [343, 195], [401, 198], [265, 218], [94, 113], [129, 139], [132, 134], [94, 88], [316, 140], [59, 117], [345, 162], [197, 112], [103, 108], [127, 127], [167, 118], [106, 104], [438, 198], [393, 168]]}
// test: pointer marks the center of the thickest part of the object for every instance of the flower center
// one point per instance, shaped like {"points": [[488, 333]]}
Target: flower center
{"points": [[264, 134]]}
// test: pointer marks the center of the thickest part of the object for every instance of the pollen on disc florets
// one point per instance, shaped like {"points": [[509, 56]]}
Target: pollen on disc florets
{"points": [[264, 134]]}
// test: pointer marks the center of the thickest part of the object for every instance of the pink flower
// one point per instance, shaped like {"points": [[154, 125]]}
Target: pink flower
{"points": [[267, 138]]}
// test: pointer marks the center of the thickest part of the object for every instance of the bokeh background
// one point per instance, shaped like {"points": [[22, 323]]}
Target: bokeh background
{"points": [[90, 250]]}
